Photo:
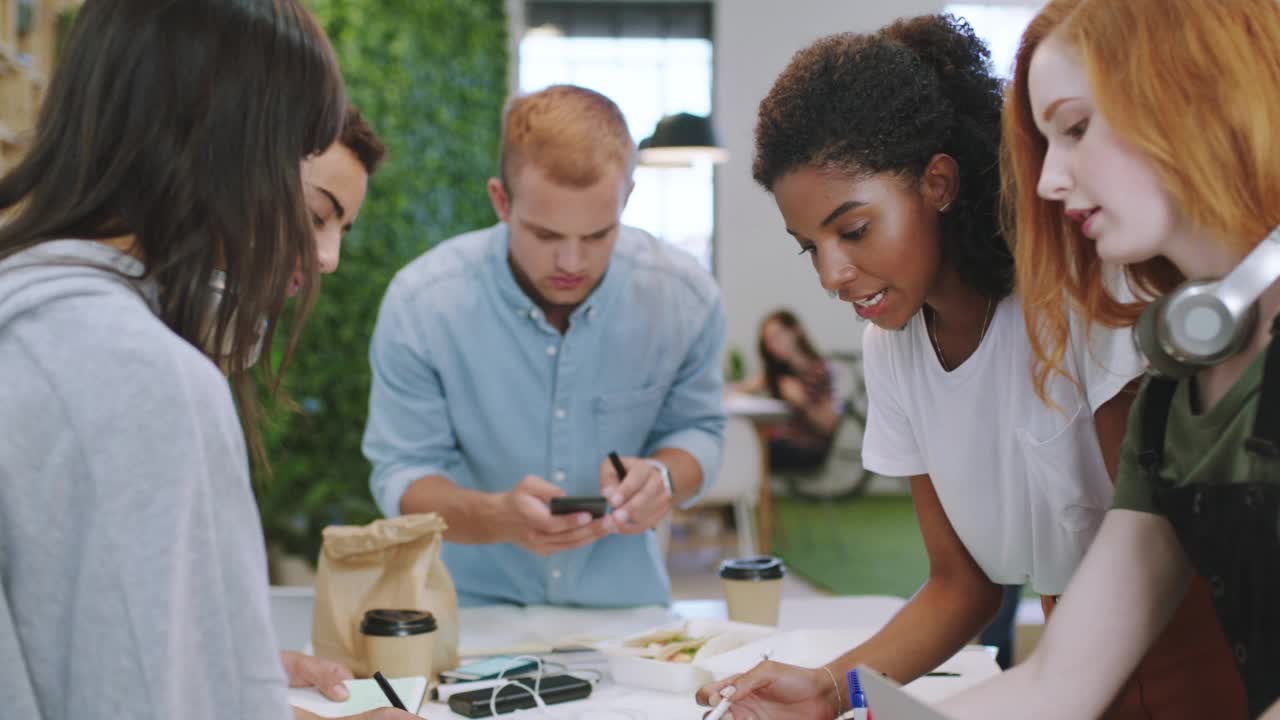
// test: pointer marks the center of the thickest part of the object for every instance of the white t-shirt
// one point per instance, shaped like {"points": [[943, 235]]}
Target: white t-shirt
{"points": [[1023, 484]]}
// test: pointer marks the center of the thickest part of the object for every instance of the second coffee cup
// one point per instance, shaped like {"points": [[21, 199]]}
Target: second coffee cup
{"points": [[753, 589], [399, 643]]}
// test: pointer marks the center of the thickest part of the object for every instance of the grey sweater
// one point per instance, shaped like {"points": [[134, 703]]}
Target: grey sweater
{"points": [[132, 567]]}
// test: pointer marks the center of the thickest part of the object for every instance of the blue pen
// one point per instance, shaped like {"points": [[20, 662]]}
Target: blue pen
{"points": [[857, 698]]}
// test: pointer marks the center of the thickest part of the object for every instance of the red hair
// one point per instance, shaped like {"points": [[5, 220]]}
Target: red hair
{"points": [[1192, 85], [571, 133]]}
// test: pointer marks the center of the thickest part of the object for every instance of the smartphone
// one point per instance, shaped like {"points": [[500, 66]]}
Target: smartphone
{"points": [[489, 668], [595, 505], [553, 689]]}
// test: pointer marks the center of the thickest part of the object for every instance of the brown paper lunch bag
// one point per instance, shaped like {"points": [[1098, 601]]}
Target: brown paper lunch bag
{"points": [[392, 563]]}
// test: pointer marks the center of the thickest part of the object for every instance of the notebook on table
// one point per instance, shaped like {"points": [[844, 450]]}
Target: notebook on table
{"points": [[365, 696]]}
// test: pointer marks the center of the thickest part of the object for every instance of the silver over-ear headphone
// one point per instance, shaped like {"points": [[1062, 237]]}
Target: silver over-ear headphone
{"points": [[1204, 322]]}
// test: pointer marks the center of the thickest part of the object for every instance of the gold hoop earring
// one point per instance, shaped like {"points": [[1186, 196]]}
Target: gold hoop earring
{"points": [[945, 208]]}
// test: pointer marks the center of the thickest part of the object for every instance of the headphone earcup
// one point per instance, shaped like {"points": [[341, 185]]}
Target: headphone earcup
{"points": [[1148, 336]]}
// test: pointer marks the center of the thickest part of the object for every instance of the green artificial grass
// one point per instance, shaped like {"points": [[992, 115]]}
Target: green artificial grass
{"points": [[868, 545]]}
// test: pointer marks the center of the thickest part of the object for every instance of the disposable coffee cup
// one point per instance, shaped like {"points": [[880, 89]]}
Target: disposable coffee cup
{"points": [[399, 643], [753, 589]]}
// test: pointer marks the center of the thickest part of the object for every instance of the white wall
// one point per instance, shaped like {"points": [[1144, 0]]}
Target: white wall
{"points": [[515, 31], [756, 260]]}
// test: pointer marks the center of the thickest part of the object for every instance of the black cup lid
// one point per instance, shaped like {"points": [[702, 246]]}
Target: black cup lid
{"points": [[756, 568], [397, 623]]}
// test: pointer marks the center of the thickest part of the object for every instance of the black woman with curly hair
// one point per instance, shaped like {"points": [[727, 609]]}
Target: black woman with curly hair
{"points": [[882, 153]]}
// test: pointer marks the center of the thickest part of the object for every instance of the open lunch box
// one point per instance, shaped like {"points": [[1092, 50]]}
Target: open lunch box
{"points": [[682, 657]]}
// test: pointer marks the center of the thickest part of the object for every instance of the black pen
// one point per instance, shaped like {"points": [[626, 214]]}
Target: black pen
{"points": [[389, 692], [618, 467]]}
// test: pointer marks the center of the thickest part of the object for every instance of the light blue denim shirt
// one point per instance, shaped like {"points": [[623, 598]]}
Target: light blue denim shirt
{"points": [[472, 383]]}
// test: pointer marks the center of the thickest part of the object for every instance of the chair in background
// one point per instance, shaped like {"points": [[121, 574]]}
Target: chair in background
{"points": [[841, 475]]}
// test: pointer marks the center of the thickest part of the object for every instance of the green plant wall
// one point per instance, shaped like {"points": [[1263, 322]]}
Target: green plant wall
{"points": [[431, 77]]}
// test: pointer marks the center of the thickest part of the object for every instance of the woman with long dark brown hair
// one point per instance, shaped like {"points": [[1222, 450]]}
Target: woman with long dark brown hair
{"points": [[150, 241], [793, 372]]}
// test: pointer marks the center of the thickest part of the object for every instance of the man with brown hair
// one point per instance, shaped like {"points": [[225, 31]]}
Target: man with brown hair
{"points": [[509, 362]]}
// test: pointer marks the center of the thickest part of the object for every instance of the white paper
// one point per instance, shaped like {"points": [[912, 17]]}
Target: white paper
{"points": [[365, 696]]}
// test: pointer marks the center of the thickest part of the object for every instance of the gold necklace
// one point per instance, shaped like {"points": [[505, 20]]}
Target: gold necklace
{"points": [[932, 330]]}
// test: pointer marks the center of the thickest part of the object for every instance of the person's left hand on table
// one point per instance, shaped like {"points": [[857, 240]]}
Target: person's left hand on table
{"points": [[324, 675], [639, 500]]}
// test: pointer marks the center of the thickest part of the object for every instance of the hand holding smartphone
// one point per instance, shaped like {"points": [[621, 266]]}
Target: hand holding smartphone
{"points": [[596, 505]]}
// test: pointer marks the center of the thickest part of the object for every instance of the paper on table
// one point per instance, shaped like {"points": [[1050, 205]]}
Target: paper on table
{"points": [[807, 648], [503, 630], [365, 696], [971, 665], [811, 648]]}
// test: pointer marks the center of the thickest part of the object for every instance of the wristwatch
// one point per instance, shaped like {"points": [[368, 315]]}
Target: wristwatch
{"points": [[665, 472]]}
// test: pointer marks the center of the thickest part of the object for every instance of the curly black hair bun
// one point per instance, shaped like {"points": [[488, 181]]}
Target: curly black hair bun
{"points": [[887, 102]]}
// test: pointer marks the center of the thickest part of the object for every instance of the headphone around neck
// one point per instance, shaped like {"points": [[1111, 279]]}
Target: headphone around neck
{"points": [[1204, 322]]}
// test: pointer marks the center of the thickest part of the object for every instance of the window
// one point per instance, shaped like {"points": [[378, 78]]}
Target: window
{"points": [[652, 59], [1000, 26]]}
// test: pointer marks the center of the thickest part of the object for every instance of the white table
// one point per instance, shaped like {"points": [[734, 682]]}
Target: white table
{"points": [[756, 408], [825, 625], [504, 630]]}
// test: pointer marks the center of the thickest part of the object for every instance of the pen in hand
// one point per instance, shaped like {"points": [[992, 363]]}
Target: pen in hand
{"points": [[618, 467], [621, 470], [389, 691], [721, 707]]}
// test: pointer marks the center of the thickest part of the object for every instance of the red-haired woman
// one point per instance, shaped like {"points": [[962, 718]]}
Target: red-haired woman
{"points": [[1150, 126]]}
